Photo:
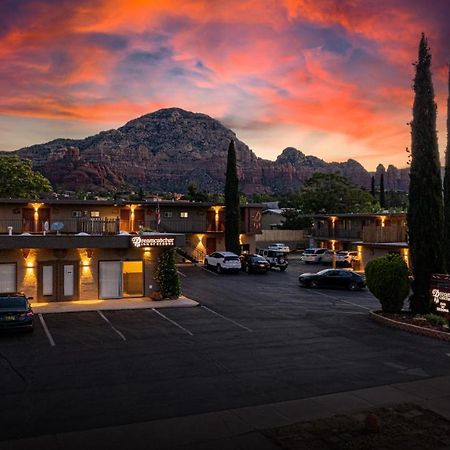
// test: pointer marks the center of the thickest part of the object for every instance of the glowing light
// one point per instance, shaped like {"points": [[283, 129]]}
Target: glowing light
{"points": [[333, 244], [383, 220]]}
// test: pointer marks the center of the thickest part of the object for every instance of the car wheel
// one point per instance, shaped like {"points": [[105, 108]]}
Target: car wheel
{"points": [[314, 284], [205, 263], [353, 286], [247, 268], [219, 268], [319, 260], [282, 269]]}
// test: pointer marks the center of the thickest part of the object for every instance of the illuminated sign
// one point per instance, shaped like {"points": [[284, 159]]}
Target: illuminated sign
{"points": [[139, 241], [440, 292]]}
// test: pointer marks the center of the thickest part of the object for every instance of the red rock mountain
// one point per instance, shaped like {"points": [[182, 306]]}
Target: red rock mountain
{"points": [[169, 149]]}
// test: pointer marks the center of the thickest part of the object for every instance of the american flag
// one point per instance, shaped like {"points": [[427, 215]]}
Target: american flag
{"points": [[158, 212]]}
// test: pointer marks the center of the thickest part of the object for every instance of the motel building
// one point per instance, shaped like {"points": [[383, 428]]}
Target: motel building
{"points": [[69, 250], [371, 235]]}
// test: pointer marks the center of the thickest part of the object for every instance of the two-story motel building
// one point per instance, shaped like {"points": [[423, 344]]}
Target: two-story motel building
{"points": [[371, 235], [66, 250]]}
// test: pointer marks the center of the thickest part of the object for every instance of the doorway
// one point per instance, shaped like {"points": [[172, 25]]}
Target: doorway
{"points": [[119, 279], [58, 281]]}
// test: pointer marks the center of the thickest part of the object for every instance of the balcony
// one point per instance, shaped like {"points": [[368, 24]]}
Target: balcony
{"points": [[98, 226], [337, 233], [389, 233]]}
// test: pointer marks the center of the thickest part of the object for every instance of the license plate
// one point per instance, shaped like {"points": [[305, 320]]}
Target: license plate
{"points": [[9, 317]]}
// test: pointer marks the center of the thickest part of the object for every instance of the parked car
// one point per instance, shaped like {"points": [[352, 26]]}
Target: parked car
{"points": [[279, 246], [277, 259], [254, 263], [332, 278], [346, 257], [328, 256], [15, 312], [313, 255], [223, 261]]}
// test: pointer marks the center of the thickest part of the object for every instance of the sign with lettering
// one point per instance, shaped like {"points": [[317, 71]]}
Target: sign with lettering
{"points": [[143, 241], [440, 292]]}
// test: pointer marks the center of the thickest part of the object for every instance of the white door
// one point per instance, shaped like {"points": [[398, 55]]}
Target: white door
{"points": [[69, 279], [47, 280], [110, 279], [7, 278]]}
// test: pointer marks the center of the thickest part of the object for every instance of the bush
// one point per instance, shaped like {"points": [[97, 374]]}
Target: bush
{"points": [[167, 275], [387, 279], [435, 319]]}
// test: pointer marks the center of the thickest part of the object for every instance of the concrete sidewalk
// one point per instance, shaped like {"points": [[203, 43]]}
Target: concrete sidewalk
{"points": [[241, 428], [111, 305]]}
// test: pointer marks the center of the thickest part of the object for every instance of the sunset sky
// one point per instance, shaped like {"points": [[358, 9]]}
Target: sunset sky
{"points": [[329, 77]]}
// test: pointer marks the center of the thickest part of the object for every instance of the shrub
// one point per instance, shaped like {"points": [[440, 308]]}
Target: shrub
{"points": [[167, 275], [387, 279], [435, 319]]}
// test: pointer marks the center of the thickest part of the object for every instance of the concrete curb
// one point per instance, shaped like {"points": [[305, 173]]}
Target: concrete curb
{"points": [[111, 305], [442, 335]]}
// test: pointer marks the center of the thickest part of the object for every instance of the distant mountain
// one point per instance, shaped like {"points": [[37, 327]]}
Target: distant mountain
{"points": [[171, 148]]}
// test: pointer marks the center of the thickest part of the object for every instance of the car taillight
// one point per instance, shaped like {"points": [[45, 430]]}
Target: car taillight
{"points": [[27, 314]]}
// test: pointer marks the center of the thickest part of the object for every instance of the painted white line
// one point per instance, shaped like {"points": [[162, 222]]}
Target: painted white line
{"points": [[111, 325], [340, 300], [47, 332], [172, 322], [208, 270], [226, 318], [182, 274]]}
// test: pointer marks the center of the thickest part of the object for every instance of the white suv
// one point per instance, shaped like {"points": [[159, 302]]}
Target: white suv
{"points": [[223, 261], [346, 257], [313, 255]]}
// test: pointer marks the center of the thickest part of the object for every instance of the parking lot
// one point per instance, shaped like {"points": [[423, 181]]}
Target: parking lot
{"points": [[254, 339]]}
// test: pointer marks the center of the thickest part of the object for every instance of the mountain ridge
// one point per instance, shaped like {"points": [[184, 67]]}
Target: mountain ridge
{"points": [[170, 148]]}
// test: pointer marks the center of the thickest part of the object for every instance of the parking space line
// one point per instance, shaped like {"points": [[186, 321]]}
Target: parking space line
{"points": [[47, 332], [226, 318], [343, 301], [111, 325], [207, 270], [172, 322]]}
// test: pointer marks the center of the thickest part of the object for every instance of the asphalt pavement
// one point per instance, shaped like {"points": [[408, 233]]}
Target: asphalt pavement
{"points": [[253, 340]]}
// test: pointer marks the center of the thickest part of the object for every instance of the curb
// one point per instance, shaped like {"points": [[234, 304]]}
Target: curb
{"points": [[409, 327]]}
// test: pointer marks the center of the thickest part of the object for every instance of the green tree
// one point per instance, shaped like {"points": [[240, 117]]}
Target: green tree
{"points": [[18, 180], [295, 220], [232, 210], [382, 194], [372, 187], [333, 193], [195, 195], [166, 275], [425, 212], [447, 187], [387, 279]]}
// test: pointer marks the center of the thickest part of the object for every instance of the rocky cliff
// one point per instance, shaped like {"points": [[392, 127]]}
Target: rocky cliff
{"points": [[171, 148]]}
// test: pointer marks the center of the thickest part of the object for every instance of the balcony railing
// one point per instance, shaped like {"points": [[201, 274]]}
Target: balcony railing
{"points": [[389, 233], [93, 226], [337, 233]]}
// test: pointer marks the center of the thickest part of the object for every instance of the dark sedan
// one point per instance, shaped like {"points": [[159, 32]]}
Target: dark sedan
{"points": [[15, 312], [255, 263], [332, 278]]}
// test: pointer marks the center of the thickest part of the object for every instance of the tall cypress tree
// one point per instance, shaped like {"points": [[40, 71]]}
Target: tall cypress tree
{"points": [[372, 186], [425, 212], [232, 211], [447, 187], [382, 194]]}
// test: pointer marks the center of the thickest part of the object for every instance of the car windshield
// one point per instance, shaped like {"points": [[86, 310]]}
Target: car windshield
{"points": [[13, 302], [231, 258], [308, 252], [258, 258], [325, 271], [342, 253]]}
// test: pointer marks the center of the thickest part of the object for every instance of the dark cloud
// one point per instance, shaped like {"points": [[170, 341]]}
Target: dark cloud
{"points": [[107, 41], [149, 58]]}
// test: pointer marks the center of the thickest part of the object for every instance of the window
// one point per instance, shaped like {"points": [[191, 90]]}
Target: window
{"points": [[167, 214], [184, 214], [120, 279], [95, 213], [7, 278], [77, 213]]}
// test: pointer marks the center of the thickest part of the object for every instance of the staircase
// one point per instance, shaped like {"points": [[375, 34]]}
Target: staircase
{"points": [[193, 258]]}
